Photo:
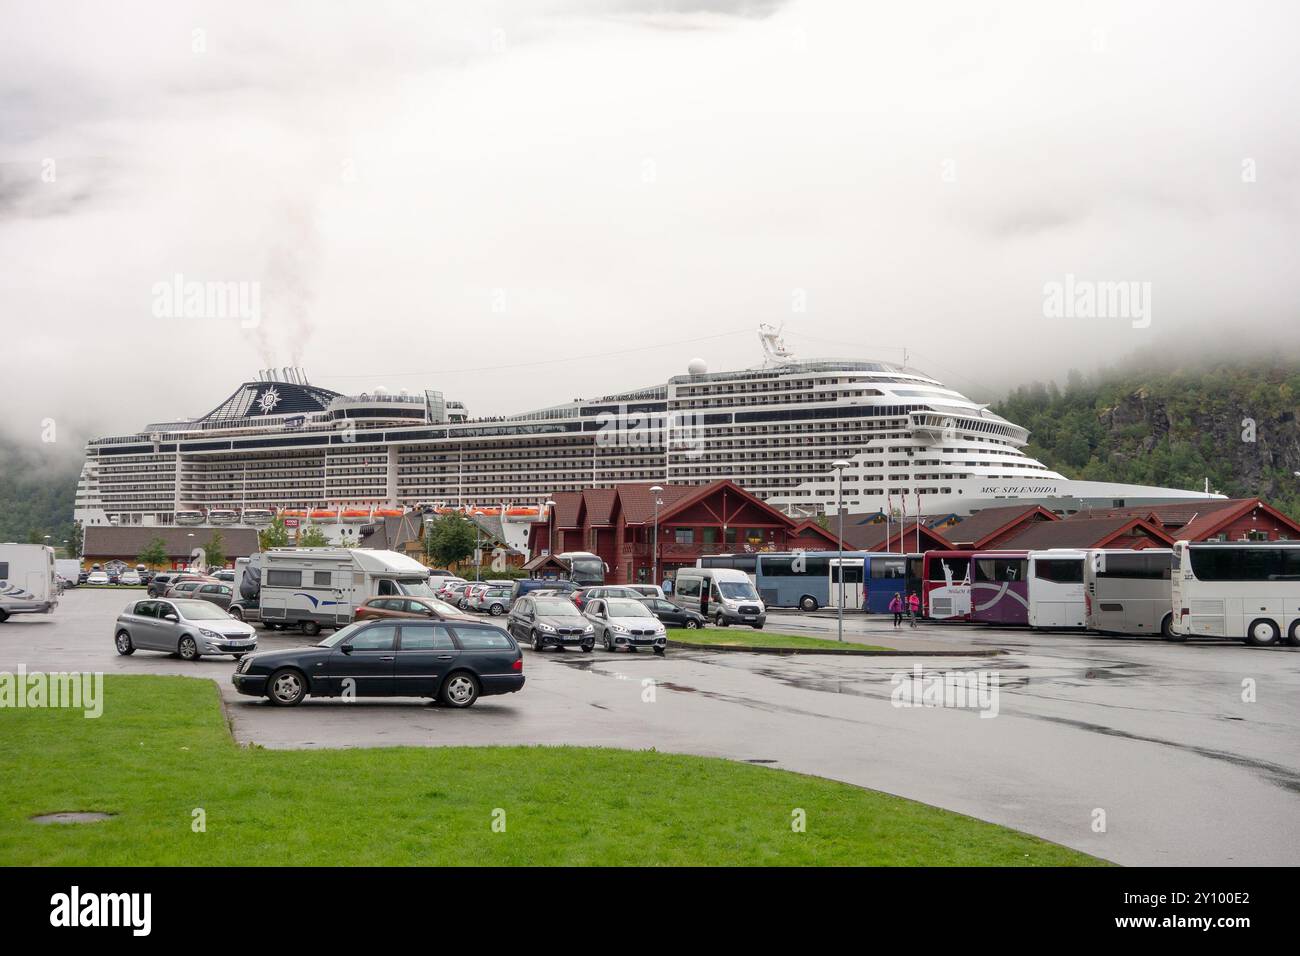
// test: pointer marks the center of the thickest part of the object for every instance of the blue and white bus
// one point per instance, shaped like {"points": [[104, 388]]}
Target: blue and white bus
{"points": [[801, 579]]}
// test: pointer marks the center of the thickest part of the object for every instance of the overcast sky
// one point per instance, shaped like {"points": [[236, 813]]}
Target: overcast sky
{"points": [[427, 194]]}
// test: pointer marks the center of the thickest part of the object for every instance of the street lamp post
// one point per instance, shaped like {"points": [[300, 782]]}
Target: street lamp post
{"points": [[839, 467], [656, 490], [550, 528]]}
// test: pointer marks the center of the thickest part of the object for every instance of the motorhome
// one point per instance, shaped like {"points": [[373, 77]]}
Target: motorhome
{"points": [[315, 588], [28, 584]]}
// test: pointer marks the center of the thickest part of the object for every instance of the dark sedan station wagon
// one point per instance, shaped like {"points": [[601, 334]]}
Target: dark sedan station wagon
{"points": [[455, 662]]}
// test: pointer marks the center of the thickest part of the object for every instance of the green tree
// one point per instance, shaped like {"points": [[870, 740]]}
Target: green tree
{"points": [[312, 537], [215, 550], [274, 535], [154, 554], [35, 537], [451, 539], [75, 538]]}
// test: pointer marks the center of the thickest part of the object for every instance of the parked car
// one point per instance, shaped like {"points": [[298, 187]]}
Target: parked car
{"points": [[550, 622], [188, 628], [146, 576], [385, 608], [161, 582], [444, 588], [114, 577], [491, 600], [83, 577], [625, 622], [580, 598], [225, 574], [131, 578], [455, 662], [183, 587], [97, 577], [670, 615], [468, 593], [647, 590], [533, 585], [219, 594]]}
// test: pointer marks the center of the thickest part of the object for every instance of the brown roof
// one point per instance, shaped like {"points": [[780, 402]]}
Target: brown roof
{"points": [[1172, 515], [638, 502], [1092, 532], [871, 536], [392, 534], [108, 541], [568, 509], [987, 524], [600, 505]]}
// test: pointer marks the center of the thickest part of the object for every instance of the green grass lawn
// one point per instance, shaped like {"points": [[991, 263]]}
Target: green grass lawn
{"points": [[161, 749], [748, 637]]}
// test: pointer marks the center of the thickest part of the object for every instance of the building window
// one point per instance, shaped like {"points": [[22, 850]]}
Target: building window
{"points": [[684, 535]]}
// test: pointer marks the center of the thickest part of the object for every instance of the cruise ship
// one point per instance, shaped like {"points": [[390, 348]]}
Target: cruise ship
{"points": [[281, 445]]}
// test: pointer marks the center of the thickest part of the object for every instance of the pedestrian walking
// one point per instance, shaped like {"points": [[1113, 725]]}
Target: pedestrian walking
{"points": [[896, 609], [913, 607]]}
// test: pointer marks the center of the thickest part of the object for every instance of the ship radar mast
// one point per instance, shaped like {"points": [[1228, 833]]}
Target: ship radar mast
{"points": [[775, 351]]}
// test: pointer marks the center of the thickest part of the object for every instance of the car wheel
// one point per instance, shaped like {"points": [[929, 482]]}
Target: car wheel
{"points": [[496, 610], [236, 612], [459, 690], [1293, 638], [720, 621], [188, 649], [807, 603], [538, 644], [692, 624], [758, 627], [124, 645], [1167, 629], [1262, 633], [4, 615], [609, 642], [286, 688], [587, 648], [310, 628]]}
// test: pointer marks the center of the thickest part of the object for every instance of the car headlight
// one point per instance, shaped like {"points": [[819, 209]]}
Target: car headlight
{"points": [[212, 634], [545, 627], [620, 629], [588, 629]]}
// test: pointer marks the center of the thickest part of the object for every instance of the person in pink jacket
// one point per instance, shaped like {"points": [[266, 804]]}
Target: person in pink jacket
{"points": [[913, 607], [896, 609]]}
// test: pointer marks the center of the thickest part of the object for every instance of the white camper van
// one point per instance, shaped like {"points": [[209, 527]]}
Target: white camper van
{"points": [[27, 580], [313, 588], [69, 569]]}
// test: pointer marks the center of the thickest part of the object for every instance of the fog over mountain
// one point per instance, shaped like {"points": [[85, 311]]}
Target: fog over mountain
{"points": [[517, 202]]}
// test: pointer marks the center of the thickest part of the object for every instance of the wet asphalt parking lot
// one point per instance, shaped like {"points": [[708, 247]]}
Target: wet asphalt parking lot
{"points": [[1155, 735]]}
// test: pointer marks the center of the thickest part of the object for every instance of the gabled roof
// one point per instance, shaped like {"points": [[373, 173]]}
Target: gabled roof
{"points": [[871, 537], [393, 533], [568, 509], [1092, 532], [106, 540], [1208, 525], [599, 503], [810, 525], [1197, 519], [987, 525]]}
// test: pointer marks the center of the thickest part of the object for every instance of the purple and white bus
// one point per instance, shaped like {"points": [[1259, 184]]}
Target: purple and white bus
{"points": [[999, 589]]}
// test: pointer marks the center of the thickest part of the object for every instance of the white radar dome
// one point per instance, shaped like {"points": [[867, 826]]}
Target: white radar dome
{"points": [[698, 366]]}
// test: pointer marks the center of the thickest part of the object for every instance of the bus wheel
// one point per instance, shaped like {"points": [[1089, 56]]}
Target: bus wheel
{"points": [[807, 603], [1293, 638], [1167, 629], [1262, 633]]}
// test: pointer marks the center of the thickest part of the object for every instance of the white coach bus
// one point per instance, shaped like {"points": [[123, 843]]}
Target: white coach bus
{"points": [[1056, 589], [1243, 590], [1128, 592]]}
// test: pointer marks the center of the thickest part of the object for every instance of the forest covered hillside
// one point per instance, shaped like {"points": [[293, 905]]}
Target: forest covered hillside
{"points": [[37, 486], [1232, 421]]}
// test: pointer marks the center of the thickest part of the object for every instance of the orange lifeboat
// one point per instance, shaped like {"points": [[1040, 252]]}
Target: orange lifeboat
{"points": [[356, 514], [388, 512], [523, 512], [323, 514], [293, 514]]}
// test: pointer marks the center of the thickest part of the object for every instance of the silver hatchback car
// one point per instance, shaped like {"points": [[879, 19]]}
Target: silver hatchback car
{"points": [[186, 627]]}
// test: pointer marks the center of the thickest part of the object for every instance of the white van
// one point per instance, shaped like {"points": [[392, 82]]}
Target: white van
{"points": [[69, 569], [314, 588], [28, 584], [723, 595]]}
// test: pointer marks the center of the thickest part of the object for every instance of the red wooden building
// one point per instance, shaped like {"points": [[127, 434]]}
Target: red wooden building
{"points": [[694, 520]]}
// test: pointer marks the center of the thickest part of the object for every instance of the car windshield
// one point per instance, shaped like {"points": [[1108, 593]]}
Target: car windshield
{"points": [[414, 587], [737, 589], [200, 611], [621, 607], [342, 634], [557, 607], [442, 607]]}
